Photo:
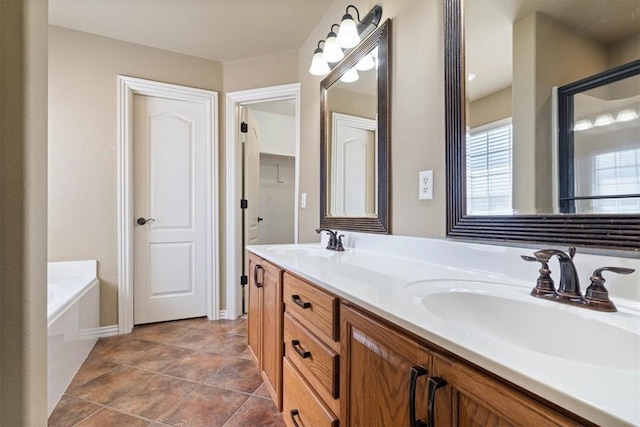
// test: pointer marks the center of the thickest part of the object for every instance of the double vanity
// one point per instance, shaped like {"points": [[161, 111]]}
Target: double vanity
{"points": [[411, 332]]}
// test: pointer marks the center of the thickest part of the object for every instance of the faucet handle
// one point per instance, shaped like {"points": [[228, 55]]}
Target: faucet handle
{"points": [[544, 285], [339, 245], [572, 252], [596, 294]]}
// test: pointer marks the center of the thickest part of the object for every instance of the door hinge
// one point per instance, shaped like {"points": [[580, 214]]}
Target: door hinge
{"points": [[244, 127], [244, 280], [244, 204]]}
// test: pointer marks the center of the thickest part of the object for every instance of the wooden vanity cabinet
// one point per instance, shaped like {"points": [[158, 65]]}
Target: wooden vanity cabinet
{"points": [[264, 329], [471, 398], [378, 366], [312, 355]]}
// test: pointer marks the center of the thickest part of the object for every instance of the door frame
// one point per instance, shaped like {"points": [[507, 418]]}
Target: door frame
{"points": [[127, 88], [234, 179]]}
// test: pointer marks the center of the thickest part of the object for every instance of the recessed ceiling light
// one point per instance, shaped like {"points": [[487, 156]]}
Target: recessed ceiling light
{"points": [[471, 76]]}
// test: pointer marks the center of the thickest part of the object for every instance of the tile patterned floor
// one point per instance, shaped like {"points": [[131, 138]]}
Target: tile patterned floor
{"points": [[186, 373]]}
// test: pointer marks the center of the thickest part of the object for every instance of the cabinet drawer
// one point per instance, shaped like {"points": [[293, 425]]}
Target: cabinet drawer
{"points": [[312, 306], [301, 407], [315, 361]]}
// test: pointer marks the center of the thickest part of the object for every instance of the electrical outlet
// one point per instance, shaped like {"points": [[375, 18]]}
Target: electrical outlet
{"points": [[425, 190]]}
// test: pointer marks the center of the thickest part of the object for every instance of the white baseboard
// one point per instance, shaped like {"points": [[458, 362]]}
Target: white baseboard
{"points": [[223, 314], [108, 331]]}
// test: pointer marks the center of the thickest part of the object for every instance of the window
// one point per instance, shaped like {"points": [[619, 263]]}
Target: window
{"points": [[489, 169], [617, 173]]}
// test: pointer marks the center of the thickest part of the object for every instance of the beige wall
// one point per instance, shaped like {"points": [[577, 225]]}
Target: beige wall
{"points": [[23, 213], [490, 108], [624, 51], [82, 142]]}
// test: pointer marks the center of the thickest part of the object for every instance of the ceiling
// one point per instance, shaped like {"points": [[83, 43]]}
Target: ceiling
{"points": [[219, 30], [488, 32]]}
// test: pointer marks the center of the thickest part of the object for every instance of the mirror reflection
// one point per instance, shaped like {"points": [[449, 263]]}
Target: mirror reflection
{"points": [[516, 53], [352, 108]]}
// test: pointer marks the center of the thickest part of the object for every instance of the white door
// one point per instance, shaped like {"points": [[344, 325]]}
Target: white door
{"points": [[170, 265], [252, 177], [353, 178]]}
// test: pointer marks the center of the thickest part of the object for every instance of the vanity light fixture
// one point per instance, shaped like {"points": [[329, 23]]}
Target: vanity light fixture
{"points": [[348, 36], [319, 66], [604, 120], [584, 124], [350, 33], [350, 76], [332, 51], [626, 115]]}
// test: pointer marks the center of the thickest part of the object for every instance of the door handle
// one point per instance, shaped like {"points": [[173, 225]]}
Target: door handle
{"points": [[260, 219], [434, 384], [143, 221], [302, 353], [255, 275], [416, 372]]}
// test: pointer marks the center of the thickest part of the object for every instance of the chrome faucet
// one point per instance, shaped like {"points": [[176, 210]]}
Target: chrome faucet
{"points": [[569, 287], [596, 297], [335, 241]]}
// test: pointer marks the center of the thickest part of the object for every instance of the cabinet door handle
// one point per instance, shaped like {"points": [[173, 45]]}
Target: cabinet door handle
{"points": [[255, 275], [304, 354], [416, 372], [294, 414], [434, 384], [299, 302]]}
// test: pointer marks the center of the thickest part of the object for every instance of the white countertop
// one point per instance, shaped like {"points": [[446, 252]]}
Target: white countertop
{"points": [[378, 282]]}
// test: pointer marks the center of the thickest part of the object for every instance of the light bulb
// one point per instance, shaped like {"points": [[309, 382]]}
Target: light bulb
{"points": [[366, 63], [332, 52], [350, 76], [319, 66], [583, 124], [348, 36], [626, 115], [471, 76], [603, 120]]}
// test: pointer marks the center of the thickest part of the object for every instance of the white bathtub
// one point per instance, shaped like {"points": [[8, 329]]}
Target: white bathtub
{"points": [[73, 319]]}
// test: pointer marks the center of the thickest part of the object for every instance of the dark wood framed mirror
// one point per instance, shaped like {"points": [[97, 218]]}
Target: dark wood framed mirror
{"points": [[355, 138], [598, 232]]}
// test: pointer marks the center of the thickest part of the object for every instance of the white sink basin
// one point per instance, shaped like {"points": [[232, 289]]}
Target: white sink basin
{"points": [[302, 250], [509, 314]]}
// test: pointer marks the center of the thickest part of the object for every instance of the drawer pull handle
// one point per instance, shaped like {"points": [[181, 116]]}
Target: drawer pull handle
{"points": [[434, 384], [304, 354], [299, 302], [416, 372], [255, 275], [294, 414]]}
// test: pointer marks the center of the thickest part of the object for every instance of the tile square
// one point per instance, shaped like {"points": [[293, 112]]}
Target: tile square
{"points": [[158, 332], [198, 366], [262, 392], [194, 339], [123, 352], [256, 412], [159, 357], [239, 374], [107, 418], [70, 411], [154, 397], [231, 345], [205, 407], [112, 385], [91, 368]]}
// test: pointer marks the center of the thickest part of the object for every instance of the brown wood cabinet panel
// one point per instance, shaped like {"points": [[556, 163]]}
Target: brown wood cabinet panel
{"points": [[473, 399], [315, 308], [317, 363], [254, 313], [272, 331], [376, 373], [301, 407]]}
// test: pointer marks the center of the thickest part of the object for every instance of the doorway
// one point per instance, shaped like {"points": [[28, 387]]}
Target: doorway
{"points": [[167, 202], [257, 101]]}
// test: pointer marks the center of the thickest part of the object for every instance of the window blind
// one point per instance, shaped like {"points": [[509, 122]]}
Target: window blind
{"points": [[490, 169], [617, 173]]}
